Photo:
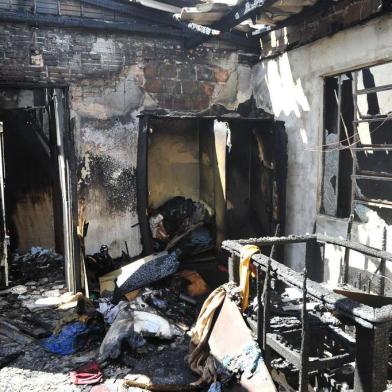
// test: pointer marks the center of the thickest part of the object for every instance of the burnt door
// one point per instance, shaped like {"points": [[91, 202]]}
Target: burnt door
{"points": [[3, 227]]}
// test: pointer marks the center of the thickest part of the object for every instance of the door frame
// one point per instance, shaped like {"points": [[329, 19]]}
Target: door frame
{"points": [[69, 195]]}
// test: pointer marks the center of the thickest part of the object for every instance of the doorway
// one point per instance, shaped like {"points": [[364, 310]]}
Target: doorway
{"points": [[37, 199]]}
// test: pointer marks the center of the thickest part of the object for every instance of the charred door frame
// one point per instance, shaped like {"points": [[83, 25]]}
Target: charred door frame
{"points": [[67, 138], [280, 152]]}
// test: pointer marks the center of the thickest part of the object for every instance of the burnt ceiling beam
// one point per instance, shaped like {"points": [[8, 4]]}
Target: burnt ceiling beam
{"points": [[86, 23], [321, 6], [236, 16], [160, 17]]}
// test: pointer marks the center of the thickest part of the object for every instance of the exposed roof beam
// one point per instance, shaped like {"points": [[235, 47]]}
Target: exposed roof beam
{"points": [[68, 21], [237, 15], [297, 18], [163, 18], [136, 11]]}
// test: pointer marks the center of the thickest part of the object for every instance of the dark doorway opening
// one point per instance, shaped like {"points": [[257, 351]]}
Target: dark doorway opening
{"points": [[38, 192]]}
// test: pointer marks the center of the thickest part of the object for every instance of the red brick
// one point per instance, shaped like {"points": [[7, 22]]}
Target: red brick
{"points": [[208, 88], [153, 85]]}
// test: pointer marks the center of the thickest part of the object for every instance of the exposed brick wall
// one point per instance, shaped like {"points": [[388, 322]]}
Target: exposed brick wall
{"points": [[111, 77], [175, 78]]}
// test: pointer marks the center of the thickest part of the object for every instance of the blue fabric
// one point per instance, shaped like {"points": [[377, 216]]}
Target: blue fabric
{"points": [[69, 340], [215, 387]]}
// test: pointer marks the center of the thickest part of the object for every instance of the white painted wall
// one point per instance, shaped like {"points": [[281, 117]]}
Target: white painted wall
{"points": [[291, 87]]}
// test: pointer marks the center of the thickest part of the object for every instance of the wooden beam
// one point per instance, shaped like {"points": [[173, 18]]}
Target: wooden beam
{"points": [[67, 21], [297, 18], [237, 15], [199, 31]]}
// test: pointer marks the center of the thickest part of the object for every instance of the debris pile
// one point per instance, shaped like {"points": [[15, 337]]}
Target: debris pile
{"points": [[137, 321], [184, 225]]}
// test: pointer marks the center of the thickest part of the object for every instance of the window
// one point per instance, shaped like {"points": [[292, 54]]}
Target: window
{"points": [[357, 145]]}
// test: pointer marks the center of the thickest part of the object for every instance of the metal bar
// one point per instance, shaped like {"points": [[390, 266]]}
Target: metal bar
{"points": [[364, 249], [385, 87], [374, 174], [369, 177], [304, 369], [374, 203], [233, 268], [371, 120], [339, 120], [355, 141], [291, 239], [260, 319], [383, 263], [266, 301], [372, 147]]}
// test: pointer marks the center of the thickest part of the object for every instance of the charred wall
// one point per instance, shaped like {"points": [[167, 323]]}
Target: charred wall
{"points": [[111, 78], [291, 85]]}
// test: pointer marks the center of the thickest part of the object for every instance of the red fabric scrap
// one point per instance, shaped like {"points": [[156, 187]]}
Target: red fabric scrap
{"points": [[87, 374]]}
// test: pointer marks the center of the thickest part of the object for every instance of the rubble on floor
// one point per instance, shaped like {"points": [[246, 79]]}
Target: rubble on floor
{"points": [[53, 340]]}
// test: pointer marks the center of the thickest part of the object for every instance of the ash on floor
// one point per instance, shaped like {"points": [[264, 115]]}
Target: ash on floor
{"points": [[30, 311]]}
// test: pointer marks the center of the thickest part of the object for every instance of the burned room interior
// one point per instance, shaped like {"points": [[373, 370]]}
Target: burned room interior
{"points": [[195, 195]]}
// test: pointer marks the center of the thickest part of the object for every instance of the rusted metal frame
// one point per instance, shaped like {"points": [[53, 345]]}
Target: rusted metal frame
{"points": [[231, 245], [304, 368], [294, 357], [361, 314]]}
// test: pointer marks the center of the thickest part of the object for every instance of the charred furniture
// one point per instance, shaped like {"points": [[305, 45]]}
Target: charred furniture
{"points": [[372, 324]]}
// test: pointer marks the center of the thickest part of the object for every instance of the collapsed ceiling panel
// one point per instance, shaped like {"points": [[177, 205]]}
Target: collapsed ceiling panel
{"points": [[211, 11]]}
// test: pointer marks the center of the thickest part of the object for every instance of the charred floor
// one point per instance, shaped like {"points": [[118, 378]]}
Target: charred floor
{"points": [[195, 195]]}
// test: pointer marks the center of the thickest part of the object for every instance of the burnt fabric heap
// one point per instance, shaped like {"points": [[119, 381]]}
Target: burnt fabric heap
{"points": [[182, 223]]}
